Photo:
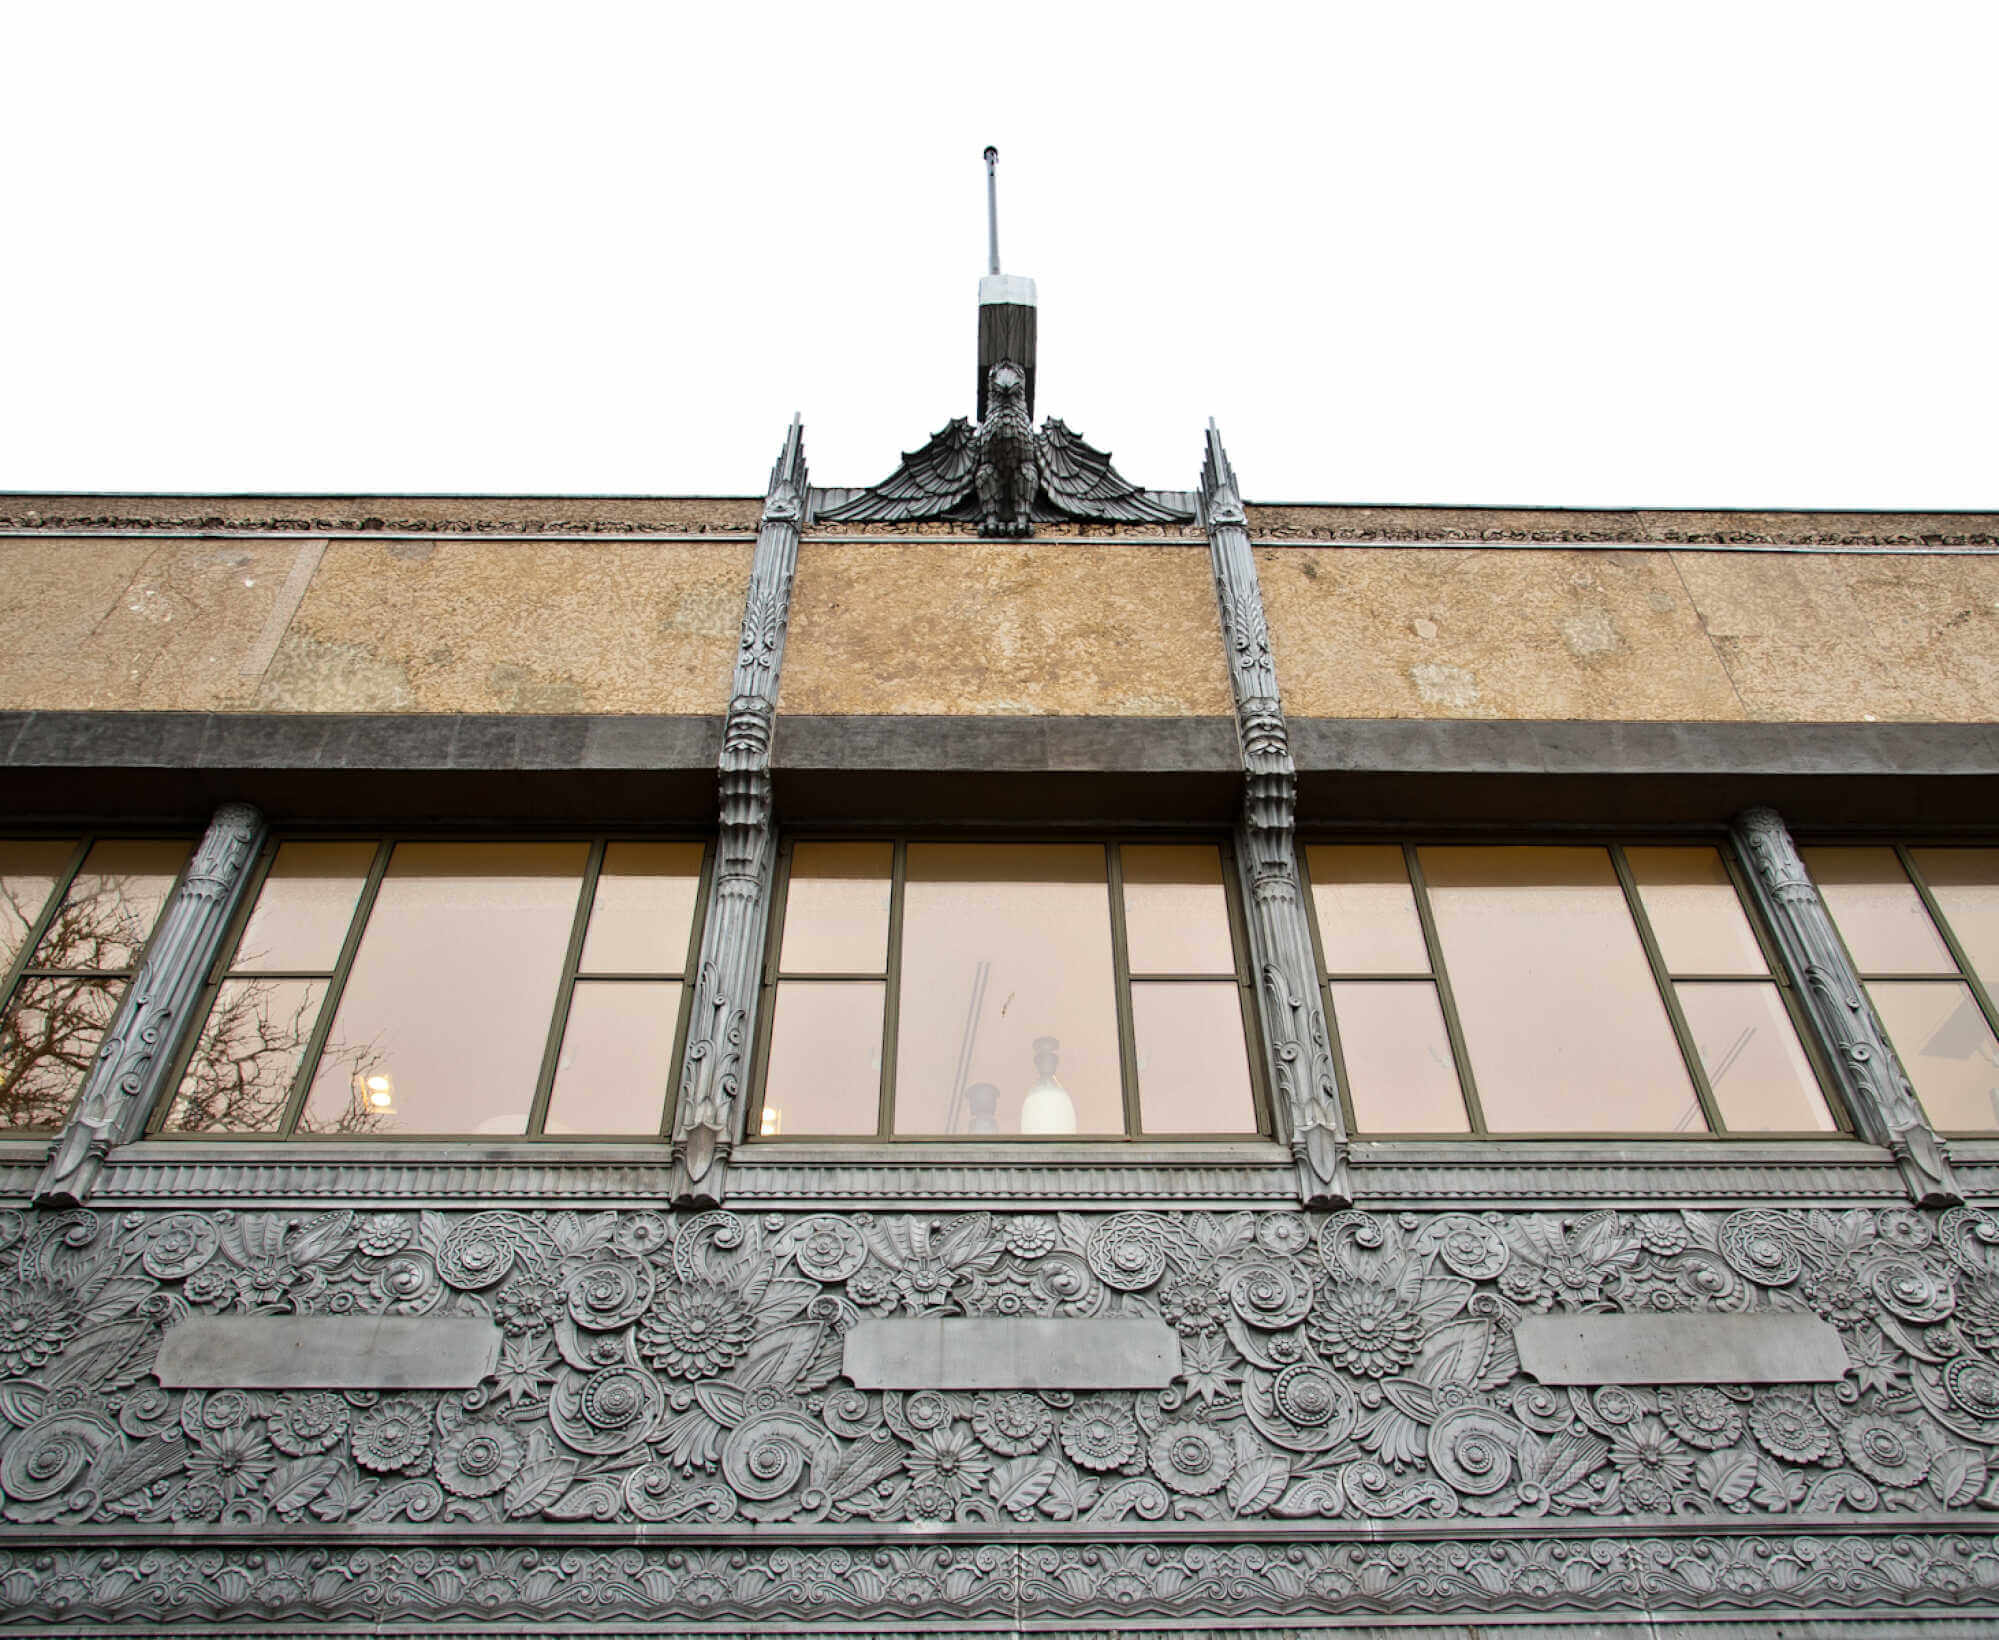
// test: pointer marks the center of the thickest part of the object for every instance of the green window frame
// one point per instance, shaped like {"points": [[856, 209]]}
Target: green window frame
{"points": [[1666, 981], [890, 974], [335, 978], [24, 970]]}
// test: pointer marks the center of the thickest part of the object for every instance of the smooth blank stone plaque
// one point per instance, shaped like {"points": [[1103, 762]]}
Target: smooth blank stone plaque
{"points": [[1013, 1352], [328, 1352], [1771, 1347]]}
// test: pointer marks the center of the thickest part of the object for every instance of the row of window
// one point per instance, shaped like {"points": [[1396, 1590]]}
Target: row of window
{"points": [[919, 988]]}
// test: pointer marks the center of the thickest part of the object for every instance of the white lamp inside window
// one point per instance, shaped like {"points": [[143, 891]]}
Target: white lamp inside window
{"points": [[1048, 1108]]}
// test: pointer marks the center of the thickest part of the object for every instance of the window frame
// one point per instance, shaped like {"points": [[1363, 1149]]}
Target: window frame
{"points": [[23, 966], [1664, 981], [1903, 848], [1111, 839], [386, 841]]}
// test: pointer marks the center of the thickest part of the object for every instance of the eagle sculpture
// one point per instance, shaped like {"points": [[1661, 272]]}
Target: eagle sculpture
{"points": [[1006, 475]]}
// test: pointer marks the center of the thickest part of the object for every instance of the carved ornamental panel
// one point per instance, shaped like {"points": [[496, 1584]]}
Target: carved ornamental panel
{"points": [[1343, 1378]]}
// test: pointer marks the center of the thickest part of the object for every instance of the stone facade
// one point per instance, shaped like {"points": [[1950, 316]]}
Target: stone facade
{"points": [[668, 1440]]}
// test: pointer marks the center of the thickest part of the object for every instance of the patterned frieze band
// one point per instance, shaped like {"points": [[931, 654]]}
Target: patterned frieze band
{"points": [[722, 1028], [138, 1051], [1872, 1081], [1298, 1050]]}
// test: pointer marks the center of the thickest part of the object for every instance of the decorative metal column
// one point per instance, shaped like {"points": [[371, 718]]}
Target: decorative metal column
{"points": [[138, 1051], [722, 1027], [1298, 1051], [1871, 1080]]}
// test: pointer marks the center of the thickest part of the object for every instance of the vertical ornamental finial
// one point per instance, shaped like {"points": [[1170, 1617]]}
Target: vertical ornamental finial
{"points": [[992, 210]]}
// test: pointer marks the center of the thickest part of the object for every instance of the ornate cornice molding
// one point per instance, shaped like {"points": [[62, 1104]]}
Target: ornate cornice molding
{"points": [[1876, 1089], [722, 1026], [1298, 1049], [128, 1076]]}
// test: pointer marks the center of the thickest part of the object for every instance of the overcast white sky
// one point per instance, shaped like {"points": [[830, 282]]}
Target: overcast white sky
{"points": [[1675, 254]]}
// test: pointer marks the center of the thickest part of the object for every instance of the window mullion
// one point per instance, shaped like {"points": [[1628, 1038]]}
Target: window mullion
{"points": [[1662, 978], [329, 1005], [892, 1000], [565, 990], [1127, 1034], [1440, 977]]}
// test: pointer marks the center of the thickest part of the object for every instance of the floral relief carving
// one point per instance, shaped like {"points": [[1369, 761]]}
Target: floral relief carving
{"points": [[1335, 1369]]}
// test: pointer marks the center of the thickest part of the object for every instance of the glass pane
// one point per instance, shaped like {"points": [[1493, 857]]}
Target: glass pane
{"points": [[1007, 981], [1947, 1049], [304, 908], [242, 1070], [1193, 1064], [1695, 914], [28, 875], [643, 915], [47, 1041], [836, 910], [1400, 1075], [617, 1057], [1566, 1030], [1965, 882], [111, 906], [1176, 915], [1367, 916], [452, 990], [1880, 915], [825, 1059], [1762, 1081]]}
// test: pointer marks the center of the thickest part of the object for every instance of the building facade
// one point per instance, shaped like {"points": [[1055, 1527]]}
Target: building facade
{"points": [[704, 1066]]}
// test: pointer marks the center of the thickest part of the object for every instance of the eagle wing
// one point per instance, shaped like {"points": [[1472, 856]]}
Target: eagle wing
{"points": [[1080, 481], [930, 483]]}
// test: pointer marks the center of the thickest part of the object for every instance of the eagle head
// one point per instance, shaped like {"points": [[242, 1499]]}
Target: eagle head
{"points": [[1006, 379]]}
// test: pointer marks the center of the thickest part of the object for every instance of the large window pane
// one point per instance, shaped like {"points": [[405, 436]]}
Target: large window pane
{"points": [[1694, 911], [29, 871], [1176, 914], [1947, 1049], [111, 906], [1965, 882], [1367, 915], [643, 913], [1880, 915], [1400, 1075], [1004, 946], [1562, 1020], [48, 1038], [304, 908], [1193, 1065], [616, 1058], [240, 1076], [824, 1074], [1761, 1078], [836, 909], [452, 990]]}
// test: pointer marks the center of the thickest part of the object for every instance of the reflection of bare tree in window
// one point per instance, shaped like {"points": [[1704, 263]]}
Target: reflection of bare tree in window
{"points": [[47, 1041], [68, 992], [241, 1072], [239, 1078]]}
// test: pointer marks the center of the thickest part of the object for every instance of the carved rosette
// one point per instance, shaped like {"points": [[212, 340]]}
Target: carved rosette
{"points": [[1298, 1046], [722, 1026], [127, 1078], [1871, 1080]]}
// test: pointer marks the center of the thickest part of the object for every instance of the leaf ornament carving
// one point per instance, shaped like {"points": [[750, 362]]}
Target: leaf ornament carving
{"points": [[1334, 1367]]}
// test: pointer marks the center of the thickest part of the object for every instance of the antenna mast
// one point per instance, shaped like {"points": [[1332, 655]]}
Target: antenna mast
{"points": [[992, 210]]}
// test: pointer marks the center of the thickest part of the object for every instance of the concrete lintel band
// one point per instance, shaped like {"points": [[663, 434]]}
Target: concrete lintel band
{"points": [[142, 1045], [1297, 1045], [1876, 1089], [721, 1030]]}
